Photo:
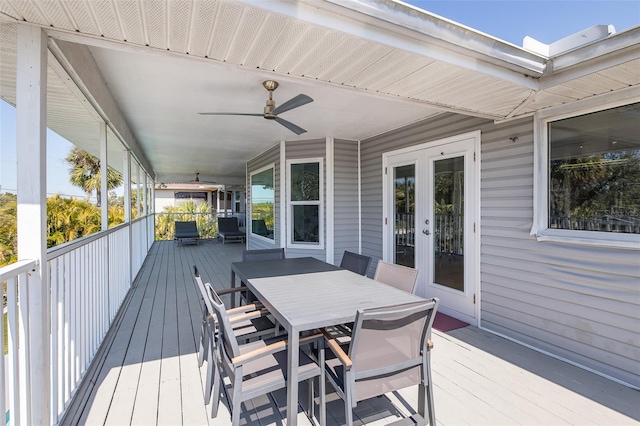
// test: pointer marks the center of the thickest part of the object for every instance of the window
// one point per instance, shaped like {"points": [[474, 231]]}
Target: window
{"points": [[305, 206], [592, 188], [190, 195], [262, 203]]}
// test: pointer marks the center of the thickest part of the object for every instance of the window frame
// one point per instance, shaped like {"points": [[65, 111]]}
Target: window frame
{"points": [[540, 227], [249, 224], [320, 203]]}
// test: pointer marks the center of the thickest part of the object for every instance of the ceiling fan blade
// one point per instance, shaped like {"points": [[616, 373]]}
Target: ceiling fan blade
{"points": [[292, 103], [230, 113], [289, 125]]}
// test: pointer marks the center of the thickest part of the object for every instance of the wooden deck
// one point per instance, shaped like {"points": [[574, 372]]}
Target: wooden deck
{"points": [[147, 373]]}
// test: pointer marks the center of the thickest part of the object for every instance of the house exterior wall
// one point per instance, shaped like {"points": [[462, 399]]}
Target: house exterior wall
{"points": [[345, 195], [580, 303], [270, 156]]}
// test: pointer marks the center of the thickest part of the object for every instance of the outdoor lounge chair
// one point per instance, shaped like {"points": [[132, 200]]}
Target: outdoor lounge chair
{"points": [[228, 230], [186, 232], [389, 350], [354, 262], [398, 276]]}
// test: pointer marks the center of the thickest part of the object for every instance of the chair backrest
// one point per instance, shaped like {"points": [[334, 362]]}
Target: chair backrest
{"points": [[398, 276], [226, 337], [186, 228], [258, 226], [263, 254], [389, 347], [354, 262], [227, 224], [200, 284]]}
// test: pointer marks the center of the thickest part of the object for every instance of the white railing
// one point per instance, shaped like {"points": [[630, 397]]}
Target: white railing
{"points": [[14, 370], [88, 279], [138, 243]]}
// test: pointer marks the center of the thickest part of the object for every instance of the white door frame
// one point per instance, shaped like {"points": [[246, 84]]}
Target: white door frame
{"points": [[473, 281]]}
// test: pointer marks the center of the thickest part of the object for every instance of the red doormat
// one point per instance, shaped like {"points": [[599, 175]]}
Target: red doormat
{"points": [[444, 322]]}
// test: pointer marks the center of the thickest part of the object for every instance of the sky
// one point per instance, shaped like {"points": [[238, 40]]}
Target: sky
{"points": [[544, 20], [510, 20]]}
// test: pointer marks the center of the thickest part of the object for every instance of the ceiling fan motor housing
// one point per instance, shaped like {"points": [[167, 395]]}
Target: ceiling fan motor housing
{"points": [[268, 109]]}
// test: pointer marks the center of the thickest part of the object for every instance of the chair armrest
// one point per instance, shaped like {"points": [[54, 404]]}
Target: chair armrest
{"points": [[244, 309], [232, 290], [269, 350], [248, 316], [337, 350], [259, 353]]}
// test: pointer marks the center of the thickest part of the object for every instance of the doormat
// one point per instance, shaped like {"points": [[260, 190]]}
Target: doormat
{"points": [[444, 323]]}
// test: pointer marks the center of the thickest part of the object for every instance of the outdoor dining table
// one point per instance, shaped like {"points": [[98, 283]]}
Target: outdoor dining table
{"points": [[306, 294]]}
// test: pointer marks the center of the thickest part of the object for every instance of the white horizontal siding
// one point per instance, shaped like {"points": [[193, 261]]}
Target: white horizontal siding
{"points": [[345, 215], [578, 302], [581, 303]]}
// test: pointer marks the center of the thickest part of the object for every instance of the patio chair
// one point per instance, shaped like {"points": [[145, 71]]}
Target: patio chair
{"points": [[259, 367], [389, 350], [354, 262], [228, 230], [248, 322], [258, 255], [398, 276], [259, 227], [186, 232]]}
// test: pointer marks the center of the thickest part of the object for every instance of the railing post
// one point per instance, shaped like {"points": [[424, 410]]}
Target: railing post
{"points": [[31, 126]]}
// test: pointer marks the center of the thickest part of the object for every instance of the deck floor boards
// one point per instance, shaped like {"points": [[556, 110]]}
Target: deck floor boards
{"points": [[147, 370]]}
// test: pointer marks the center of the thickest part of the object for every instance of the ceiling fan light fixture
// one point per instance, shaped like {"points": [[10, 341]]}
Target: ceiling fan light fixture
{"points": [[270, 85]]}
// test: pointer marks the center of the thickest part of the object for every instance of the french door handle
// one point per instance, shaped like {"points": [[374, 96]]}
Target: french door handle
{"points": [[426, 232]]}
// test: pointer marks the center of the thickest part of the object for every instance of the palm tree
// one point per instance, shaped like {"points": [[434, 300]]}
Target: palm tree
{"points": [[85, 173]]}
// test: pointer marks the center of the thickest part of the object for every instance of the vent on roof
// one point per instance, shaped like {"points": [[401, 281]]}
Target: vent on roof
{"points": [[590, 35]]}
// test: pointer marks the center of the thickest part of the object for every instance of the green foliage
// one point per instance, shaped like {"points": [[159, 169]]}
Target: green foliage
{"points": [[596, 186], [67, 219], [85, 172], [264, 211], [190, 210], [8, 229], [70, 218]]}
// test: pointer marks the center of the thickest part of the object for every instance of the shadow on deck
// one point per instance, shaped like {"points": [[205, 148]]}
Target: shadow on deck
{"points": [[146, 370]]}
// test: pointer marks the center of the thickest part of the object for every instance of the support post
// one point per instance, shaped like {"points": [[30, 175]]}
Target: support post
{"points": [[104, 182], [31, 126]]}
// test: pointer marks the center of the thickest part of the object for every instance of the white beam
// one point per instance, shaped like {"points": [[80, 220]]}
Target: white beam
{"points": [[329, 201], [31, 130], [104, 182]]}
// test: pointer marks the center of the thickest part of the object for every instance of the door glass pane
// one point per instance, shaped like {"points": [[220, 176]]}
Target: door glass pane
{"points": [[448, 229], [404, 178]]}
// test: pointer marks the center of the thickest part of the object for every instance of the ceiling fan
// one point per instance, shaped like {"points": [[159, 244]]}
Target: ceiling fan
{"points": [[198, 181], [270, 110], [195, 181]]}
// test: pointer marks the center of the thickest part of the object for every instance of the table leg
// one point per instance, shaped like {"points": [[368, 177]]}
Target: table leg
{"points": [[292, 378], [233, 284]]}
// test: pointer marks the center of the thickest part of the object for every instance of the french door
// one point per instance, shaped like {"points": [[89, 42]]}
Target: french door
{"points": [[431, 208]]}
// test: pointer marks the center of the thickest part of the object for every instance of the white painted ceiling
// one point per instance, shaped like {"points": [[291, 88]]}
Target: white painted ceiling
{"points": [[370, 66], [161, 96]]}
